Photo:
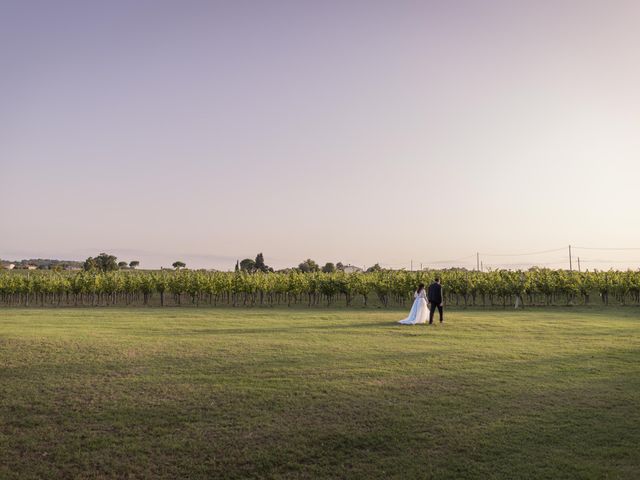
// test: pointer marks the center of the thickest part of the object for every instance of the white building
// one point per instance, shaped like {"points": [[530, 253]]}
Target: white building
{"points": [[351, 269]]}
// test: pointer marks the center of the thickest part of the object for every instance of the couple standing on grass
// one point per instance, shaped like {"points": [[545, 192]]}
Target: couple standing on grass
{"points": [[425, 303]]}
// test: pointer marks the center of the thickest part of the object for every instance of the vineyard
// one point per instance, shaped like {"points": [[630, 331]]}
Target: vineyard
{"points": [[534, 287]]}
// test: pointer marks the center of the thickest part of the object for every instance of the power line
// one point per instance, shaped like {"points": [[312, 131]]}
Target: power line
{"points": [[607, 248], [514, 264], [473, 260], [600, 260], [521, 265], [522, 254], [467, 259]]}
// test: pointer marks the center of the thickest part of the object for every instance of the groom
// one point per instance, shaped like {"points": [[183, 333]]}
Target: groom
{"points": [[434, 295]]}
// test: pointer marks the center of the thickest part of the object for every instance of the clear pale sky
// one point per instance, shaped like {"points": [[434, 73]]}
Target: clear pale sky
{"points": [[355, 131]]}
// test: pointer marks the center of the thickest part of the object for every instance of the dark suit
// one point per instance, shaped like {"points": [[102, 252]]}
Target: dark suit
{"points": [[434, 295]]}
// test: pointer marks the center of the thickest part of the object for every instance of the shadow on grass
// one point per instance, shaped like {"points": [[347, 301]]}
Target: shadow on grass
{"points": [[400, 427]]}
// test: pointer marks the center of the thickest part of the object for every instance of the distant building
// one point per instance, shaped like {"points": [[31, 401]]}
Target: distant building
{"points": [[72, 268], [351, 269], [9, 266], [32, 267]]}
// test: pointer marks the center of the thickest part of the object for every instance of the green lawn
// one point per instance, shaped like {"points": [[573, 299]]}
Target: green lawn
{"points": [[236, 393]]}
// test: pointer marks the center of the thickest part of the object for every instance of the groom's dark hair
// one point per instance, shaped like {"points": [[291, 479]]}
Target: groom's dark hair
{"points": [[438, 279]]}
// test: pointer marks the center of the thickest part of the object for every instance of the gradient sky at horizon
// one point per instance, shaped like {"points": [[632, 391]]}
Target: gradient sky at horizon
{"points": [[354, 131]]}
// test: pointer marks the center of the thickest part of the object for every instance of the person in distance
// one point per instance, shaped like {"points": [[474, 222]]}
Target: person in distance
{"points": [[419, 310], [434, 295]]}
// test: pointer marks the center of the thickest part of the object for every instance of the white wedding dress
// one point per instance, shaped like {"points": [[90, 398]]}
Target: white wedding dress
{"points": [[419, 311]]}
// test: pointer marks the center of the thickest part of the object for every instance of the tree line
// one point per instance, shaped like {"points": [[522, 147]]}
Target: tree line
{"points": [[105, 262], [382, 288]]}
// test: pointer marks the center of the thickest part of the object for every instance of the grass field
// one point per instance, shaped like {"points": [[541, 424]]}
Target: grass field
{"points": [[224, 393]]}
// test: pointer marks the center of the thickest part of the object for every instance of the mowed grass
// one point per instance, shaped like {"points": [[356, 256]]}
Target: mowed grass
{"points": [[235, 393]]}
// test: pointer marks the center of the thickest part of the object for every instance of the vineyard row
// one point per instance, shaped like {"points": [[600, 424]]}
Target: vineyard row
{"points": [[386, 288]]}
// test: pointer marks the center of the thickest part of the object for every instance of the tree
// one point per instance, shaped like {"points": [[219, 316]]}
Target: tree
{"points": [[237, 265], [340, 267], [106, 262], [375, 268], [260, 265], [122, 265], [90, 264], [103, 263], [309, 266], [329, 267], [178, 265], [248, 265], [134, 263], [304, 267]]}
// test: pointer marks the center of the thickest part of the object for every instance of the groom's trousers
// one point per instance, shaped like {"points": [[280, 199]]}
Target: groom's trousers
{"points": [[432, 310]]}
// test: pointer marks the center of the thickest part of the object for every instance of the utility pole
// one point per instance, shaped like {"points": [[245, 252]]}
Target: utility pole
{"points": [[578, 264], [570, 264], [477, 261], [481, 267], [412, 265], [420, 266]]}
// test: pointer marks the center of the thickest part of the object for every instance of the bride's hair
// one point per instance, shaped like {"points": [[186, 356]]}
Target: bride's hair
{"points": [[420, 288]]}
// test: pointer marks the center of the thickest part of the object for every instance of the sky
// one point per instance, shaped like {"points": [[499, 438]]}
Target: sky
{"points": [[359, 131]]}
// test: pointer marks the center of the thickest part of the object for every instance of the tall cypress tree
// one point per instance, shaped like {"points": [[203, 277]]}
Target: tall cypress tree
{"points": [[260, 266]]}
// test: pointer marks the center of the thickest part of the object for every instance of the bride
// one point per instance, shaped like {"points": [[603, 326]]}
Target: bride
{"points": [[419, 311]]}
